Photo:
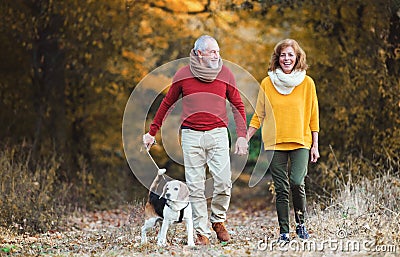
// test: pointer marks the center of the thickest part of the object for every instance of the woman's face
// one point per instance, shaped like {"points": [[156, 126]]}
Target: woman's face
{"points": [[287, 59]]}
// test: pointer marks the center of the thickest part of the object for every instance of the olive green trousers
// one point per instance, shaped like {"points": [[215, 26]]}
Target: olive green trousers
{"points": [[288, 169]]}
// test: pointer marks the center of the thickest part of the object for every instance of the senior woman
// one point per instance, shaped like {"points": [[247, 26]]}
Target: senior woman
{"points": [[292, 131]]}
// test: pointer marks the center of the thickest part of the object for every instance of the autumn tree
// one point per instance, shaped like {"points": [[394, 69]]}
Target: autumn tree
{"points": [[62, 90], [69, 66]]}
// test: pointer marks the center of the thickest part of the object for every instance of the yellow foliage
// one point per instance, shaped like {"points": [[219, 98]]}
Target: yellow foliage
{"points": [[125, 72], [160, 42], [145, 28], [228, 16], [170, 21], [186, 5], [132, 56], [247, 33], [157, 82], [221, 23]]}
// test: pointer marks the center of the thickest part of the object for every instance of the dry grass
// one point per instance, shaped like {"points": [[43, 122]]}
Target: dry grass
{"points": [[35, 196], [364, 211], [31, 198]]}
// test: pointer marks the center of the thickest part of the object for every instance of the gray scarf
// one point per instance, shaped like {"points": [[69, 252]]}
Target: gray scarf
{"points": [[203, 73]]}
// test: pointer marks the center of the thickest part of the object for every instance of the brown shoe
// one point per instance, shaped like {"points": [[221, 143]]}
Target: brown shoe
{"points": [[222, 233], [202, 240]]}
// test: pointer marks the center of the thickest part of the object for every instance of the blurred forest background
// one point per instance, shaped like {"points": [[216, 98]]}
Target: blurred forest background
{"points": [[68, 68]]}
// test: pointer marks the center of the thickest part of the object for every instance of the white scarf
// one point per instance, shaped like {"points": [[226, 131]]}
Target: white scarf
{"points": [[285, 83]]}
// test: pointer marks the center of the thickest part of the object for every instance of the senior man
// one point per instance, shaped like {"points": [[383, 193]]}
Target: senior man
{"points": [[205, 85]]}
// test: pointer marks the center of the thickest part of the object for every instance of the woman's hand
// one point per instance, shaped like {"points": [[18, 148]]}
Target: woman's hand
{"points": [[250, 132], [314, 153]]}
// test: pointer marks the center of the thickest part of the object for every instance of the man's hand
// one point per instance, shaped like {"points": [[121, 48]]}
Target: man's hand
{"points": [[241, 146], [148, 141]]}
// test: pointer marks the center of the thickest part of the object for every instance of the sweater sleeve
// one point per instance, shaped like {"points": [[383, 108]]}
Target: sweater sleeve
{"points": [[259, 113], [314, 122], [237, 106], [165, 107]]}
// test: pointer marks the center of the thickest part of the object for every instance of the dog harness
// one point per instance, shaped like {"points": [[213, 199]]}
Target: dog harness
{"points": [[181, 212], [159, 204]]}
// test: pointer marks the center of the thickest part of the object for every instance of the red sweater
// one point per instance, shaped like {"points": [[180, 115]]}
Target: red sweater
{"points": [[203, 104]]}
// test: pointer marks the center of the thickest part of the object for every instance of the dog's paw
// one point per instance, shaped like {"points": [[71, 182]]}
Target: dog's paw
{"points": [[191, 244], [161, 243]]}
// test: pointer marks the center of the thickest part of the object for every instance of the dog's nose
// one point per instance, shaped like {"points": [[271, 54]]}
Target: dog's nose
{"points": [[167, 195]]}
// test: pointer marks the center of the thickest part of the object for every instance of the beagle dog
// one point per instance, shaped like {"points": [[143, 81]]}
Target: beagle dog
{"points": [[172, 206]]}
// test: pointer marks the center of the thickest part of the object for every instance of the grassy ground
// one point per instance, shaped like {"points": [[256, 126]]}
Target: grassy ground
{"points": [[363, 220]]}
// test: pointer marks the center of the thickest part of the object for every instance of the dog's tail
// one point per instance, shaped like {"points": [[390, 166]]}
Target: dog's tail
{"points": [[156, 180]]}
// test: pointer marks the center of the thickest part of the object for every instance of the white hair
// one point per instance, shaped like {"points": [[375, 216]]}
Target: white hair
{"points": [[202, 42]]}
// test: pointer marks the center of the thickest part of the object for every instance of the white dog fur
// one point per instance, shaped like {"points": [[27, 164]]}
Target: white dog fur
{"points": [[173, 200]]}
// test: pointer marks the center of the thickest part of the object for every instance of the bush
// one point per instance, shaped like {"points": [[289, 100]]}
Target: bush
{"points": [[37, 193], [363, 210], [326, 179], [358, 199], [31, 199]]}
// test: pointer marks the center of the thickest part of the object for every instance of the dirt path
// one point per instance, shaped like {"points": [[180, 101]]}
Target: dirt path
{"points": [[251, 221], [117, 233]]}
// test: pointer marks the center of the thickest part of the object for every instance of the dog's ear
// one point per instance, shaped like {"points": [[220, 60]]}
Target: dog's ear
{"points": [[163, 191], [183, 193]]}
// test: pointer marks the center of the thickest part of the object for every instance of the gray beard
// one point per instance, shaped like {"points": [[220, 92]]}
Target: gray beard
{"points": [[213, 65]]}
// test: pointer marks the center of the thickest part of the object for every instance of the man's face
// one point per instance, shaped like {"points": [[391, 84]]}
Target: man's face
{"points": [[211, 56]]}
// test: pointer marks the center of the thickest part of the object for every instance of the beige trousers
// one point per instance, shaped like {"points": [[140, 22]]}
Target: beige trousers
{"points": [[210, 149]]}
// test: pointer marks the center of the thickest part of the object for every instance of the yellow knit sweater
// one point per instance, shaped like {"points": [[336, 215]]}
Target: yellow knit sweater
{"points": [[287, 120]]}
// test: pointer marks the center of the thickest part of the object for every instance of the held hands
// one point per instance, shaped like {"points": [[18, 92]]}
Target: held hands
{"points": [[241, 146], [148, 141]]}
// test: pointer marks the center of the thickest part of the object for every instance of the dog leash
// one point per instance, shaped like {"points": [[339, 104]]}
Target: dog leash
{"points": [[159, 171]]}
